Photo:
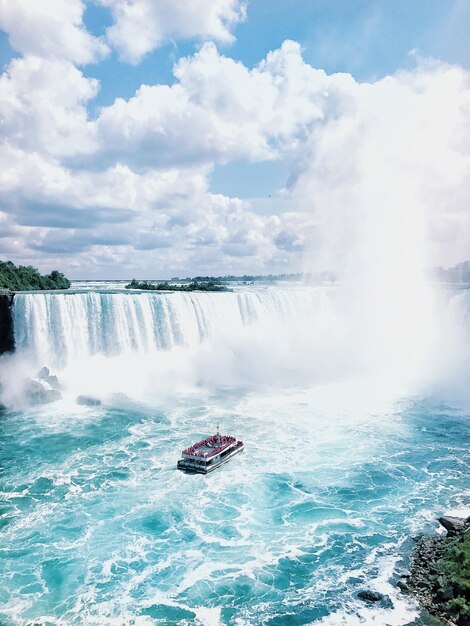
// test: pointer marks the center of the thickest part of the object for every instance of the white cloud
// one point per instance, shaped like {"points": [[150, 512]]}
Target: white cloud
{"points": [[43, 180], [50, 29], [365, 158], [371, 165], [167, 216], [43, 106], [143, 25], [218, 110]]}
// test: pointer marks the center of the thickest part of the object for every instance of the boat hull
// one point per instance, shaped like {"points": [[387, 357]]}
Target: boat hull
{"points": [[188, 467]]}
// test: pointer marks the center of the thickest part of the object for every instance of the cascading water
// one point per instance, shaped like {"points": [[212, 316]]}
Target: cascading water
{"points": [[264, 335], [108, 342], [57, 329], [340, 466]]}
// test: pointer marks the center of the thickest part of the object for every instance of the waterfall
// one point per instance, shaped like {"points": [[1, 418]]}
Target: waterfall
{"points": [[59, 328], [105, 342]]}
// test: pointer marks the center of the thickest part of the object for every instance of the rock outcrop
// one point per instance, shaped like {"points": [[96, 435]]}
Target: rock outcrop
{"points": [[43, 389], [39, 392], [439, 574], [7, 336], [49, 378], [372, 597], [88, 401], [453, 525]]}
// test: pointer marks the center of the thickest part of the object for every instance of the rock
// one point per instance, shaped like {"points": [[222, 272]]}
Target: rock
{"points": [[367, 595], [453, 525], [44, 374], [39, 392], [444, 593], [403, 583], [404, 573], [52, 395], [88, 401], [7, 334], [54, 382], [43, 389], [429, 582]]}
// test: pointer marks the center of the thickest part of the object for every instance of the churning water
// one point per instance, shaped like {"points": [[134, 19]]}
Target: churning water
{"points": [[346, 456]]}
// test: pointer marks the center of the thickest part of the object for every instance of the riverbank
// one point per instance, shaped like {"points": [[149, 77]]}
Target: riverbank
{"points": [[440, 572], [7, 335], [26, 278]]}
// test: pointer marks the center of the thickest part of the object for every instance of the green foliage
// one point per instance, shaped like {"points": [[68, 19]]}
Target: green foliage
{"points": [[263, 278], [459, 608], [27, 278], [166, 286], [247, 278], [455, 567]]}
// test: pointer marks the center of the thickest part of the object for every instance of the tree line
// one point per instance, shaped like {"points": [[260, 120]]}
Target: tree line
{"points": [[27, 278], [166, 286]]}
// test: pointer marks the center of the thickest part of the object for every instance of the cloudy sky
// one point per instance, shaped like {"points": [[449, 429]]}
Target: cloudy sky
{"points": [[176, 137]]}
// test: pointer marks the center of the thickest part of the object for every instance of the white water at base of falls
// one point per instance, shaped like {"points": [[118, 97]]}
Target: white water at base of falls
{"points": [[132, 342], [260, 335]]}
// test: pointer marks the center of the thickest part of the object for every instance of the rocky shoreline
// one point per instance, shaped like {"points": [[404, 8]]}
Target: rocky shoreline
{"points": [[7, 335], [439, 572]]}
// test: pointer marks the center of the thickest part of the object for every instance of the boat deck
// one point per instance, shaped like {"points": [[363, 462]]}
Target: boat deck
{"points": [[205, 465], [211, 446], [209, 449], [206, 455]]}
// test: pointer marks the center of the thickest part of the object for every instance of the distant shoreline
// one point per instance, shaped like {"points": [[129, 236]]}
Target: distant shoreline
{"points": [[169, 286]]}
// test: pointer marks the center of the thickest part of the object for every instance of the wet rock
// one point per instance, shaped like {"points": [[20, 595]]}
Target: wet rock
{"points": [[453, 525], [43, 389], [120, 397], [403, 583], [44, 374], [40, 392], [7, 334], [444, 593], [54, 382], [369, 596], [88, 401], [404, 573], [427, 580]]}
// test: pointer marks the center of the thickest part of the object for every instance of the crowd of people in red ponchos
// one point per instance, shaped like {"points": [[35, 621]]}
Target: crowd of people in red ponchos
{"points": [[222, 440]]}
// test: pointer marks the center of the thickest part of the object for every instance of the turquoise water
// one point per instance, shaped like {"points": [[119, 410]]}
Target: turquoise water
{"points": [[99, 527], [343, 461]]}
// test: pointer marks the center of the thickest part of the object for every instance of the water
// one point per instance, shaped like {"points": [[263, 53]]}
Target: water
{"points": [[341, 465]]}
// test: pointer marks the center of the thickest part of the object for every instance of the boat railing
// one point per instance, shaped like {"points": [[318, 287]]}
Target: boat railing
{"points": [[222, 440], [198, 456]]}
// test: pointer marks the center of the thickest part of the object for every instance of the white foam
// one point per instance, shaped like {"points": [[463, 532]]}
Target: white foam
{"points": [[207, 616], [460, 512]]}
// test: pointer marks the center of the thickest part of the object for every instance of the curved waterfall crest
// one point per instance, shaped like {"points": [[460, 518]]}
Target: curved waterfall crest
{"points": [[271, 335], [58, 328]]}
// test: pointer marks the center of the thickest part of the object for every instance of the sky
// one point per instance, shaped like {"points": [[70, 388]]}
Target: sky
{"points": [[181, 137]]}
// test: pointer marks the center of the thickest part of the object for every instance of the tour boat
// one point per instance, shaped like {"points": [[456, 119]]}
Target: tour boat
{"points": [[207, 455]]}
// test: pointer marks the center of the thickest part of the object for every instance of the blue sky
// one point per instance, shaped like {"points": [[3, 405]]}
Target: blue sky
{"points": [[367, 38], [85, 55]]}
